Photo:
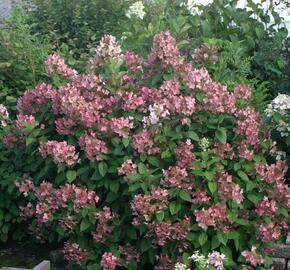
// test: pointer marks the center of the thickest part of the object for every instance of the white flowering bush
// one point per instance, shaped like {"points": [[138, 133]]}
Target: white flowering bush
{"points": [[136, 10], [278, 115]]}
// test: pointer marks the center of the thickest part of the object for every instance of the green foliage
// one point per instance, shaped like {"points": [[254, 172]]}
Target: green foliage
{"points": [[78, 24], [21, 58]]}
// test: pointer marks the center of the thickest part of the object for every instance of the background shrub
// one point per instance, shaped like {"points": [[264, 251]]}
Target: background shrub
{"points": [[21, 58]]}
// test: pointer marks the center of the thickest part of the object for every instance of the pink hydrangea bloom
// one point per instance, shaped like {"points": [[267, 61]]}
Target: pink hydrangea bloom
{"points": [[109, 261], [23, 120], [252, 257], [127, 168], [73, 252], [4, 115], [122, 126], [93, 147], [243, 92], [227, 189], [268, 232], [108, 47], [62, 152], [56, 65], [217, 259], [214, 216], [266, 207], [166, 50], [143, 143], [32, 100]]}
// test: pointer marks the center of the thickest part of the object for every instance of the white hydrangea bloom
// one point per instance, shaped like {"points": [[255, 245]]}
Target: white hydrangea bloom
{"points": [[283, 128], [204, 144], [136, 10], [200, 260], [280, 155], [180, 266], [157, 111], [280, 104]]}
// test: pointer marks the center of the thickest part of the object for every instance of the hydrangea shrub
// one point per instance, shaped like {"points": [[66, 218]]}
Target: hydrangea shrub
{"points": [[139, 163]]}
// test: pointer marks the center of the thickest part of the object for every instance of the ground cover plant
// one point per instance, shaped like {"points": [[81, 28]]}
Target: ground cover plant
{"points": [[142, 161]]}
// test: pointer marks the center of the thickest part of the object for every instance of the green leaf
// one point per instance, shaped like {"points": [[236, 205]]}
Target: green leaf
{"points": [[202, 239], [253, 198], [84, 225], [174, 207], [185, 196], [142, 168], [125, 142], [215, 243], [221, 135], [154, 161], [243, 176], [103, 168], [160, 215], [71, 175], [192, 135], [212, 187]]}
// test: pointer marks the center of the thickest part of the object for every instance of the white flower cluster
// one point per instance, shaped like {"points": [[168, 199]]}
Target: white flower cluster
{"points": [[180, 266], [204, 144], [157, 111], [280, 155], [136, 10], [280, 104], [284, 128], [200, 260]]}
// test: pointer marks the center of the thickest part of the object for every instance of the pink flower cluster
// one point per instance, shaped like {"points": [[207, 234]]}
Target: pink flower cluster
{"points": [[164, 263], [166, 230], [109, 261], [50, 199], [166, 50], [4, 115], [108, 47], [32, 100], [266, 207], [62, 152], [248, 125], [103, 230], [227, 189], [23, 120], [130, 253], [243, 92], [216, 259], [122, 126], [214, 216], [184, 154], [274, 174], [176, 177], [73, 253], [56, 65], [268, 232], [127, 168], [143, 143], [223, 150], [93, 147], [252, 257], [145, 206]]}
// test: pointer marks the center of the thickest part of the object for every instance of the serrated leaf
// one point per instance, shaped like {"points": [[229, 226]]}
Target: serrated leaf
{"points": [[154, 161]]}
